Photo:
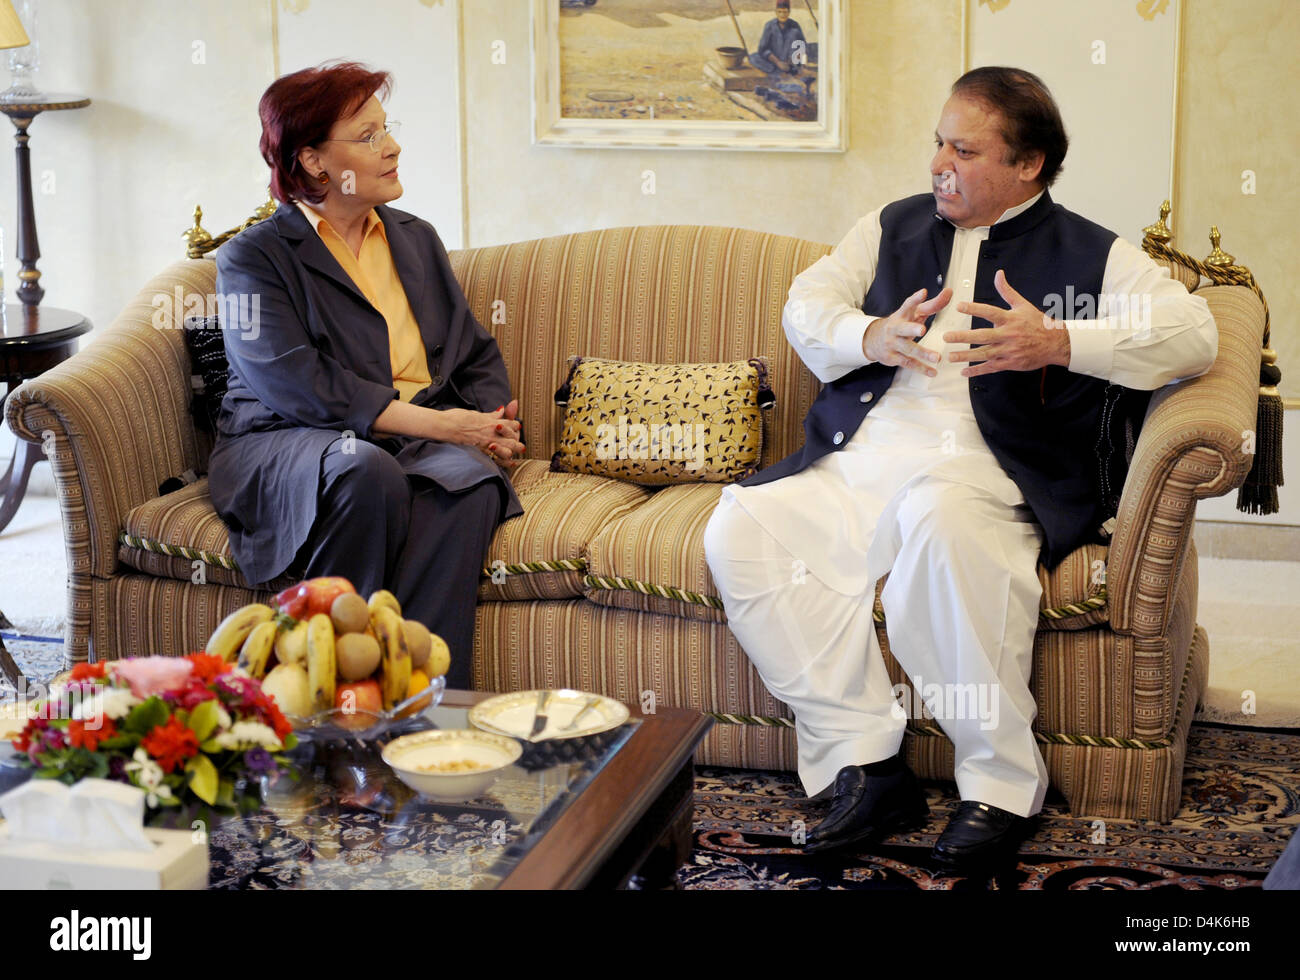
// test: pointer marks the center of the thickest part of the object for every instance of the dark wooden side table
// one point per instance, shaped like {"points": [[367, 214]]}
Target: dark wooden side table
{"points": [[33, 340], [21, 115]]}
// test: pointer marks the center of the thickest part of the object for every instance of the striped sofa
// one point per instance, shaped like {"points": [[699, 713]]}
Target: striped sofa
{"points": [[602, 585]]}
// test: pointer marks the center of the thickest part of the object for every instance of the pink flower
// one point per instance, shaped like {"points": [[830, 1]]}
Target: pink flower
{"points": [[148, 676]]}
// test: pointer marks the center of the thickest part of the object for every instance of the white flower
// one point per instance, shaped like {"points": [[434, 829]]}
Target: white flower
{"points": [[149, 777], [108, 702], [224, 721], [250, 734]]}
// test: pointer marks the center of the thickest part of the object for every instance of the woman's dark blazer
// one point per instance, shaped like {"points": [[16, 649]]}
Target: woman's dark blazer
{"points": [[309, 362]]}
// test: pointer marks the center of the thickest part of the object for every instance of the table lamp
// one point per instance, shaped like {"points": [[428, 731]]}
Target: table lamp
{"points": [[24, 59], [12, 34]]}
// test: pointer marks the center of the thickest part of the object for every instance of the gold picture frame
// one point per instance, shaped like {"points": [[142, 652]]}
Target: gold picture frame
{"points": [[692, 82]]}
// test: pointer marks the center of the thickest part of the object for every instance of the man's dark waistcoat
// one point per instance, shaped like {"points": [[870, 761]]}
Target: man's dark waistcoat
{"points": [[1060, 436]]}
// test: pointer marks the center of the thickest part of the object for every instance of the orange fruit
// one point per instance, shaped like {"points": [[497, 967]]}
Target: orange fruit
{"points": [[419, 681]]}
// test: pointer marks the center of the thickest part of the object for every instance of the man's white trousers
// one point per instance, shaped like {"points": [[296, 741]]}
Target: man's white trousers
{"points": [[961, 609]]}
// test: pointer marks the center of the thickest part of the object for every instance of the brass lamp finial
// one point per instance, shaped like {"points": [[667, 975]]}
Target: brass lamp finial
{"points": [[1159, 231], [1217, 255]]}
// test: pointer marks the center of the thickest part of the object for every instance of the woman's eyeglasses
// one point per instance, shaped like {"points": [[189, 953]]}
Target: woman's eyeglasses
{"points": [[374, 141]]}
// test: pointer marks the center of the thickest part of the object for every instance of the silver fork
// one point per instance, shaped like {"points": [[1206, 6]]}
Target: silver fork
{"points": [[591, 703]]}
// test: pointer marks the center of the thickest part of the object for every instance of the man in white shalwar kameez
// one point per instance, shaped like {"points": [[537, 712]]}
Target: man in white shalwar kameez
{"points": [[917, 491]]}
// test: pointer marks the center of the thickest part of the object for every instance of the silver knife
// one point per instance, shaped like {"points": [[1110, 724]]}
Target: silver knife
{"points": [[539, 715]]}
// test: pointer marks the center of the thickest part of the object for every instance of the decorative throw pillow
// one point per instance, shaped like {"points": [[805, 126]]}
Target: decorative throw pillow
{"points": [[658, 424], [208, 378]]}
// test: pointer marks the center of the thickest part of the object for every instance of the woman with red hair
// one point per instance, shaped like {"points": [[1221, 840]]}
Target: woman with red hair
{"points": [[368, 424]]}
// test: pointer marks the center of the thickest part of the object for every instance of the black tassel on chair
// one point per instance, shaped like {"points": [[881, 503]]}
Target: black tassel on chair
{"points": [[1258, 495], [766, 396], [562, 393]]}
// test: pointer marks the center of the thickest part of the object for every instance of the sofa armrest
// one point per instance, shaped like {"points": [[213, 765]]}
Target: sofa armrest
{"points": [[1193, 445], [114, 419]]}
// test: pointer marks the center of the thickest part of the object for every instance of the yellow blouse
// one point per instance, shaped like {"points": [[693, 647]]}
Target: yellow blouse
{"points": [[375, 275]]}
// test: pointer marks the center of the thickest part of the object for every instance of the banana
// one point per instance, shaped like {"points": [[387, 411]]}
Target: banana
{"points": [[291, 644], [321, 665], [384, 599], [396, 662], [231, 633], [256, 651]]}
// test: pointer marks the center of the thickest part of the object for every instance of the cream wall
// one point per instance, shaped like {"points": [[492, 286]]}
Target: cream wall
{"points": [[418, 41], [517, 191], [115, 183], [1240, 74], [1239, 82]]}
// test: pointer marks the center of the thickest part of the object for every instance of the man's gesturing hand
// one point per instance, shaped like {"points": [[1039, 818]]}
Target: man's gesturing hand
{"points": [[890, 340], [1022, 338]]}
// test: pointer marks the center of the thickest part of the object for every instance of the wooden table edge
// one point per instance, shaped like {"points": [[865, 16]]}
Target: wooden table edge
{"points": [[585, 829]]}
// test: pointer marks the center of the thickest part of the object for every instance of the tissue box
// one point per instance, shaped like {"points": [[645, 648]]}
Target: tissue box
{"points": [[177, 862]]}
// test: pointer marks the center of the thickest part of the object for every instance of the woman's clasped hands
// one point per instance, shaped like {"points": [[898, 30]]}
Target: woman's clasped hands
{"points": [[496, 433]]}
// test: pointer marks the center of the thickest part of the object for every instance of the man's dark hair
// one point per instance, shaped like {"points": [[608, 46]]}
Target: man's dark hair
{"points": [[1031, 122]]}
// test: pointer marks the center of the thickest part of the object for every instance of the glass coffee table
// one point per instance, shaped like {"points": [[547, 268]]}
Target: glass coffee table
{"points": [[601, 811]]}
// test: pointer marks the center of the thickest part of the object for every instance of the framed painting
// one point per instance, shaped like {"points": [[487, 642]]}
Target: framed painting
{"points": [[690, 74]]}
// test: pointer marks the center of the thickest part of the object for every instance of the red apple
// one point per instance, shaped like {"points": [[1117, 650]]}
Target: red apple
{"points": [[359, 703], [315, 595]]}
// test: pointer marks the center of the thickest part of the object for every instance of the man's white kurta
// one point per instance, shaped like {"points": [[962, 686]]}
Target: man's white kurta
{"points": [[796, 560]]}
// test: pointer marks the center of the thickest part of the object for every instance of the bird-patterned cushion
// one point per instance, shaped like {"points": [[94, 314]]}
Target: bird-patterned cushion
{"points": [[658, 424]]}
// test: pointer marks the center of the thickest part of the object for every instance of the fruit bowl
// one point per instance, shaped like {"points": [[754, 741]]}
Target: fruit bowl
{"points": [[361, 725], [451, 764]]}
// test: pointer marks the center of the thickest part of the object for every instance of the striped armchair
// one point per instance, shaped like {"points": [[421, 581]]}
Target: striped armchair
{"points": [[603, 585]]}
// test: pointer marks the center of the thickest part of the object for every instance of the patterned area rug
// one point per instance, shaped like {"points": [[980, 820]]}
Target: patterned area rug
{"points": [[1241, 804], [39, 657]]}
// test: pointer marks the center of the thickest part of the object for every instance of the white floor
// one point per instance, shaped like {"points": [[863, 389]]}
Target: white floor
{"points": [[1251, 610]]}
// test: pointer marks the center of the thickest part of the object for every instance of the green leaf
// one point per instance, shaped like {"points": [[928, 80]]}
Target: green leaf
{"points": [[203, 778], [210, 746], [99, 766], [146, 716], [203, 719], [226, 793]]}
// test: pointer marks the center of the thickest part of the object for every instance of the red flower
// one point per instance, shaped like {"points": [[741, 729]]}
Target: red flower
{"points": [[31, 730], [81, 737], [171, 744], [208, 667], [83, 672], [276, 719], [193, 694]]}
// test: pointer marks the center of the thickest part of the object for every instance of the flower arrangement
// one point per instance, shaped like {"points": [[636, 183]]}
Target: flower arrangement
{"points": [[180, 728]]}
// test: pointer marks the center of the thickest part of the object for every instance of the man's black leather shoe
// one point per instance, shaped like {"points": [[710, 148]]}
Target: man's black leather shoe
{"points": [[979, 836], [869, 802]]}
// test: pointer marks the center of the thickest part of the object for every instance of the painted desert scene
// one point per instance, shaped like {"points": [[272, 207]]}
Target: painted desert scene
{"points": [[703, 60]]}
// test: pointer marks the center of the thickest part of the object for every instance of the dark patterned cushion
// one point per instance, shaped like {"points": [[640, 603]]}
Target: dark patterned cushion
{"points": [[209, 369]]}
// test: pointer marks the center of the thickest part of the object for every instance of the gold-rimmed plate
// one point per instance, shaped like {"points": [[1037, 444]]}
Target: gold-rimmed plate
{"points": [[512, 714]]}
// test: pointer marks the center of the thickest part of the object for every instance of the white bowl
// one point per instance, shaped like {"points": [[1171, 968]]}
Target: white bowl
{"points": [[406, 756]]}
